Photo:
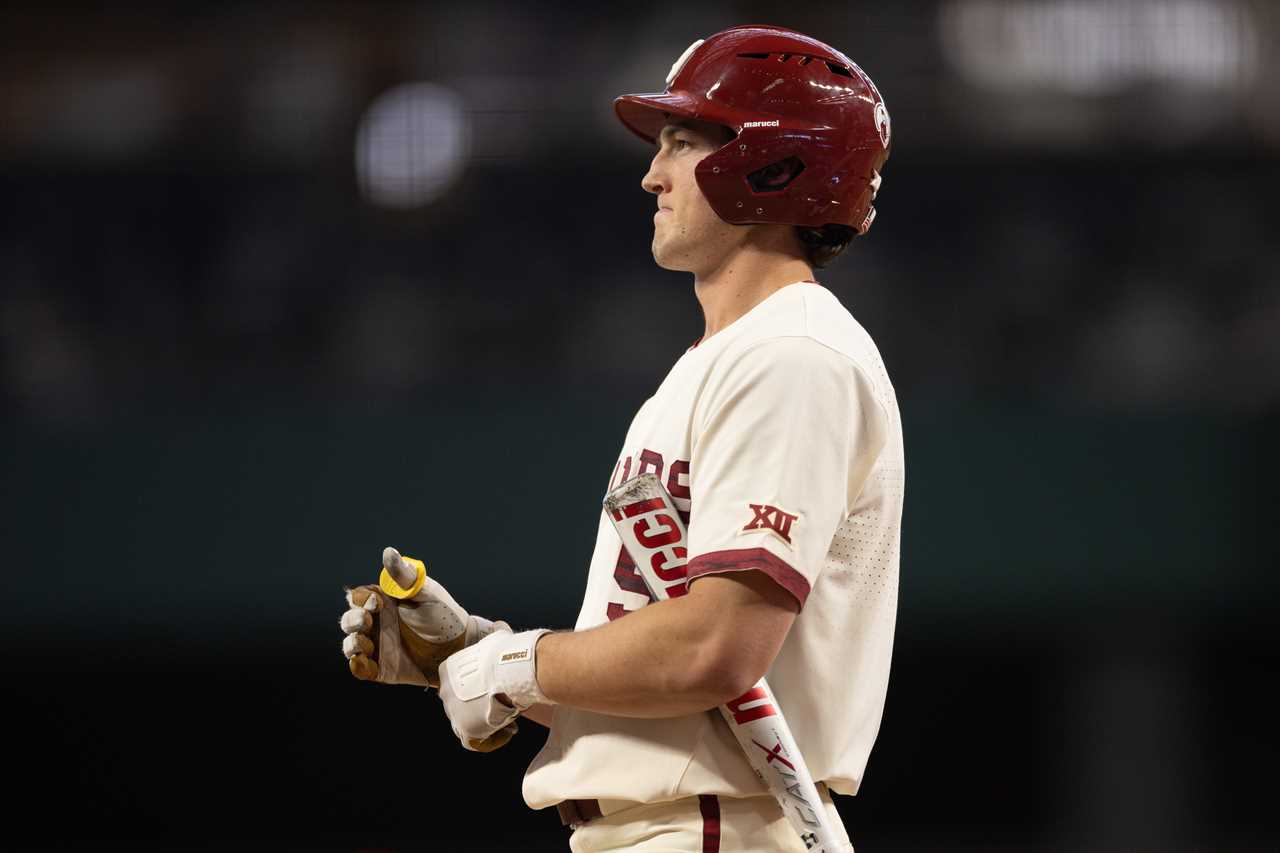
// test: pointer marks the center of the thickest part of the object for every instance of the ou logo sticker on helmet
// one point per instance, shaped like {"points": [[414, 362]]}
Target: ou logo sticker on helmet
{"points": [[882, 123], [684, 57]]}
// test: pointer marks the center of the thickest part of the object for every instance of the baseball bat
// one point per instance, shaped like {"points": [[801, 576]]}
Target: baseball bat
{"points": [[649, 525]]}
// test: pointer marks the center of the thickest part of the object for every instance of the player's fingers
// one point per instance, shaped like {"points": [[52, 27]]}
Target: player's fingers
{"points": [[364, 596], [363, 668], [497, 740], [357, 620], [357, 644]]}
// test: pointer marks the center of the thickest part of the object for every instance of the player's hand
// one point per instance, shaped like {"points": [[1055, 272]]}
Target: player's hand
{"points": [[374, 646], [401, 630], [485, 687]]}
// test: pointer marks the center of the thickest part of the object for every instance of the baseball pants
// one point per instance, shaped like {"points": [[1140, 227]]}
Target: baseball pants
{"points": [[706, 824]]}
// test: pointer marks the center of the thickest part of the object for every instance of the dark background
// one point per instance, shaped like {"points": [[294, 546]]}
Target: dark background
{"points": [[284, 283]]}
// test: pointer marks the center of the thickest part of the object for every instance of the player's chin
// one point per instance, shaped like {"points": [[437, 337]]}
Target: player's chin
{"points": [[665, 256]]}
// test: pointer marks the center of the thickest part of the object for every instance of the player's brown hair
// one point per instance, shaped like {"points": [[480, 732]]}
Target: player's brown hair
{"points": [[823, 245]]}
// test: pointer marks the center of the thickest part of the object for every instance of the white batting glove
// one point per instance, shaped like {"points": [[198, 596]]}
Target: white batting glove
{"points": [[373, 644], [503, 665], [405, 643], [426, 607]]}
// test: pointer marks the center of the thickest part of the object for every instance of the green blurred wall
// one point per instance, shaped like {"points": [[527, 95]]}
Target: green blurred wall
{"points": [[215, 523]]}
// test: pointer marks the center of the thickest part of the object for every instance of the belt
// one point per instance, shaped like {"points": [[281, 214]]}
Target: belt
{"points": [[575, 812], [578, 812]]}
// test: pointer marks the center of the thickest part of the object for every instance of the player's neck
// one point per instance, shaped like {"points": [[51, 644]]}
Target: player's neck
{"points": [[742, 282]]}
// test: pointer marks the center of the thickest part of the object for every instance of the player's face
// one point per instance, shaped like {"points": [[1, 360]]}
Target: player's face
{"points": [[687, 234]]}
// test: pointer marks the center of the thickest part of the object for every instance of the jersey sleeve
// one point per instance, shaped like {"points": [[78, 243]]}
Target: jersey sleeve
{"points": [[786, 436]]}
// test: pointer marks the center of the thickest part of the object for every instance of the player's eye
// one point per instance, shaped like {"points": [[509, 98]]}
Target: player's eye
{"points": [[678, 143]]}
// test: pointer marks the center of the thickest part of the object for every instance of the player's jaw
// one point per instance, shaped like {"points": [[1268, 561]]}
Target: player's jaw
{"points": [[689, 237], [687, 233]]}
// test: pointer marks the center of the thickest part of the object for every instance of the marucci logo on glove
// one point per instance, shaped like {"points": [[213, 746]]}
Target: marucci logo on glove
{"points": [[512, 657], [771, 518]]}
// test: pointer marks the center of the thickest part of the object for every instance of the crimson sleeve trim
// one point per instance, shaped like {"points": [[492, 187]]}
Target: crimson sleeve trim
{"points": [[746, 559]]}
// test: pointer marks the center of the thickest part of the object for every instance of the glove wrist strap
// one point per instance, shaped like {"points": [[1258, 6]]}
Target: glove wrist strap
{"points": [[516, 669]]}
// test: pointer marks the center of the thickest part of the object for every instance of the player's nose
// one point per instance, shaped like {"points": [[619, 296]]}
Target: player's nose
{"points": [[653, 181]]}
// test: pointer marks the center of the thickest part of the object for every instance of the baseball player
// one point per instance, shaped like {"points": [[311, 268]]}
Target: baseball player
{"points": [[778, 436]]}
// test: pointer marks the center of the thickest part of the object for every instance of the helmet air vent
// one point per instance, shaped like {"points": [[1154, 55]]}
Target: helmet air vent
{"points": [[775, 177], [839, 69]]}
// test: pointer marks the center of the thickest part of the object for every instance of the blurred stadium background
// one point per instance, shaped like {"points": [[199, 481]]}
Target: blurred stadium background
{"points": [[283, 283]]}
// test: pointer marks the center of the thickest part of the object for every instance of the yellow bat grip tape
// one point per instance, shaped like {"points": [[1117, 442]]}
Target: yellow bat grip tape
{"points": [[388, 584]]}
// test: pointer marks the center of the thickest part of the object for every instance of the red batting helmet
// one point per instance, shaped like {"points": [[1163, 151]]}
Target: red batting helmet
{"points": [[791, 99]]}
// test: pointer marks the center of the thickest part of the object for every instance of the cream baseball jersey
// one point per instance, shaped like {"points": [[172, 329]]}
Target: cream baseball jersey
{"points": [[780, 441]]}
